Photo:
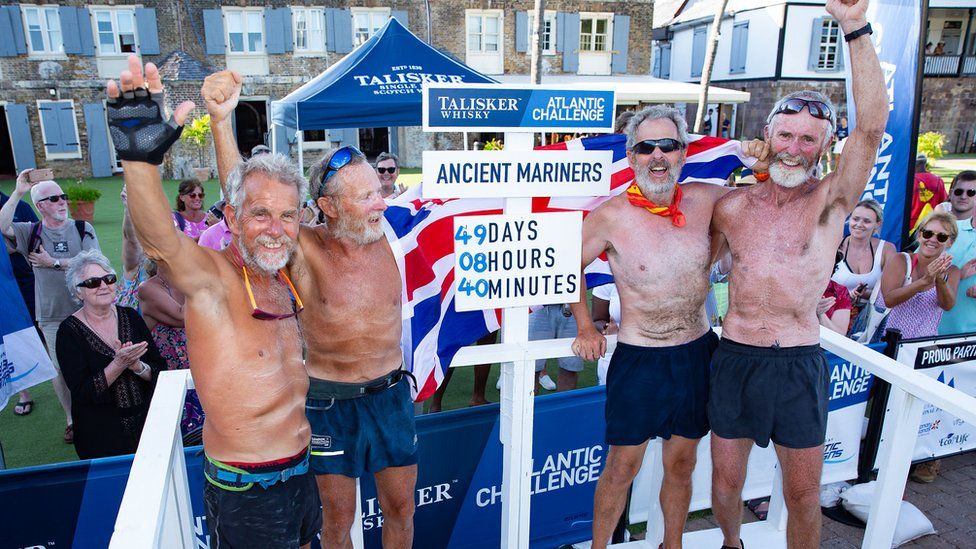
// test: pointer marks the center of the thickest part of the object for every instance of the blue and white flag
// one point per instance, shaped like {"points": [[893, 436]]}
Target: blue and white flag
{"points": [[896, 39], [23, 359]]}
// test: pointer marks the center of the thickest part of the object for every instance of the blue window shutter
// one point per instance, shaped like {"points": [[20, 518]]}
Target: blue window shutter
{"points": [[48, 113], [69, 29], [571, 42], [840, 52], [66, 121], [7, 49], [282, 135], [12, 26], [286, 29], [274, 40], [740, 47], [85, 32], [621, 37], [656, 73], [98, 151], [814, 57], [213, 30], [521, 31], [20, 136], [330, 38], [560, 30], [394, 140], [343, 31], [148, 34], [350, 136], [698, 50], [666, 61], [401, 16]]}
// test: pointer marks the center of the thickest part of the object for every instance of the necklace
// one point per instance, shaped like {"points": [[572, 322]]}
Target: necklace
{"points": [[107, 340]]}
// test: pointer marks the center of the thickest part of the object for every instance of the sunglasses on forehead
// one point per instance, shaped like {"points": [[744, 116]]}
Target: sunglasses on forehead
{"points": [[54, 199], [340, 159], [817, 109], [666, 145], [968, 192], [96, 281], [927, 235]]}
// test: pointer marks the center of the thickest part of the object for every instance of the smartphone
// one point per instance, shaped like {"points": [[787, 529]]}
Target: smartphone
{"points": [[45, 174]]}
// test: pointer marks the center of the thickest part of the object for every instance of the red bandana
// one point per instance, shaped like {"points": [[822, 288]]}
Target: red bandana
{"points": [[636, 197]]}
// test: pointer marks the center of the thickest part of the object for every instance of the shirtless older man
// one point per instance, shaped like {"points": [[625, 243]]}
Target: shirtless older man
{"points": [[769, 376], [359, 402], [656, 236], [243, 337]]}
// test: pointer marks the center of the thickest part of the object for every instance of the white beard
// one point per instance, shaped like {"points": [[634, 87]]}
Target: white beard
{"points": [[359, 232], [787, 176], [643, 180], [265, 262]]}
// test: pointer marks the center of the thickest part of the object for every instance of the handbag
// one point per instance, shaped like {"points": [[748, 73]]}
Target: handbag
{"points": [[876, 316]]}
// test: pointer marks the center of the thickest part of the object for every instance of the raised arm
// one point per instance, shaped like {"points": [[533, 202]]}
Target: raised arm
{"points": [[221, 92], [142, 136], [871, 99], [10, 206]]}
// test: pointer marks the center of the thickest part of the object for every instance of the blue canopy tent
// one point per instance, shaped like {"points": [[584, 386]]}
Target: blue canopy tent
{"points": [[378, 84]]}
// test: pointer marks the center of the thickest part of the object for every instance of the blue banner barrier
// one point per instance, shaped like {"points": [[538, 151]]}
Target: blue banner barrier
{"points": [[458, 486]]}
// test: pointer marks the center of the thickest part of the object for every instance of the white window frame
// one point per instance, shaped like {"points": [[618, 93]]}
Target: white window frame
{"points": [[484, 15], [74, 118], [113, 12], [309, 14], [548, 19], [377, 18], [245, 14], [314, 145], [607, 35], [826, 47], [47, 48]]}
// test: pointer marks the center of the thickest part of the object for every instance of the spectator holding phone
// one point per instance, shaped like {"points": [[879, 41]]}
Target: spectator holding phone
{"points": [[48, 246], [217, 236]]}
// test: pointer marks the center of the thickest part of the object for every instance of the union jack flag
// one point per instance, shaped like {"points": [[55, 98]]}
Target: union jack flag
{"points": [[421, 234]]}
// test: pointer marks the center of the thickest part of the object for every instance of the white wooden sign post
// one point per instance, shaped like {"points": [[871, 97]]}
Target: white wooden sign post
{"points": [[517, 174]]}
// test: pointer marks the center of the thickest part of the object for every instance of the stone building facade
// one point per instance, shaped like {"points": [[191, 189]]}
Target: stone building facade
{"points": [[53, 71]]}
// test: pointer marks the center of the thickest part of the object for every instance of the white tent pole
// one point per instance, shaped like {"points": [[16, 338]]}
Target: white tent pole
{"points": [[301, 156], [465, 140]]}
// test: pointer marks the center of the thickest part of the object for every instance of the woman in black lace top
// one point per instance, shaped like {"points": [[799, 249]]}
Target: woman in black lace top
{"points": [[108, 360]]}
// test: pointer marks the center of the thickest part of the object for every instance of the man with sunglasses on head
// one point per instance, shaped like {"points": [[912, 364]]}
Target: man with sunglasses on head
{"points": [[769, 378], [359, 402], [243, 339], [656, 236], [48, 247]]}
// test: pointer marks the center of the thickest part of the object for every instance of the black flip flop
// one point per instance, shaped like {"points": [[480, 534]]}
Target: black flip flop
{"points": [[26, 407]]}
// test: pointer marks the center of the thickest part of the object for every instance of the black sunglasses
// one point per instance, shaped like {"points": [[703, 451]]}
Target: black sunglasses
{"points": [[55, 198], [96, 281], [969, 192], [927, 234], [817, 109], [339, 160], [666, 145], [386, 170]]}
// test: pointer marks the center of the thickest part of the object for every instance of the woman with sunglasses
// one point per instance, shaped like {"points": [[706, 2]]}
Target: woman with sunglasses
{"points": [[108, 360], [190, 217], [962, 196], [920, 286]]}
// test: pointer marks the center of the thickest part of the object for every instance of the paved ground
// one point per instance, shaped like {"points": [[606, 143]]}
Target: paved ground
{"points": [[948, 503]]}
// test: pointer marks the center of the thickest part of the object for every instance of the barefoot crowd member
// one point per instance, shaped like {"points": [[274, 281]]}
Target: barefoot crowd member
{"points": [[656, 236], [359, 402], [244, 343], [769, 377]]}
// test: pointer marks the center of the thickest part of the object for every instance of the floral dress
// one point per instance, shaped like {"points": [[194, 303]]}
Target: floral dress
{"points": [[171, 342]]}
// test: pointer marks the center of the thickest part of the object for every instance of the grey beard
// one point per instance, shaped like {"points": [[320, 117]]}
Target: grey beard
{"points": [[788, 178], [344, 229], [646, 187], [264, 264]]}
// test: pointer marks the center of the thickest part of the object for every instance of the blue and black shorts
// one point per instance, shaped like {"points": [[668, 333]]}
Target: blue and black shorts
{"points": [[363, 434], [770, 393], [658, 391]]}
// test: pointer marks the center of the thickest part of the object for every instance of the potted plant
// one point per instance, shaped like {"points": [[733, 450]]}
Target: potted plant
{"points": [[197, 135], [81, 200]]}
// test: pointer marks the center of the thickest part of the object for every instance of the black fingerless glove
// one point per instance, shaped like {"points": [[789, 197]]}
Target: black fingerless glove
{"points": [[140, 134]]}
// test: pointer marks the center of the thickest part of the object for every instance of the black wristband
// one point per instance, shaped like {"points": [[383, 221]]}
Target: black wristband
{"points": [[866, 29]]}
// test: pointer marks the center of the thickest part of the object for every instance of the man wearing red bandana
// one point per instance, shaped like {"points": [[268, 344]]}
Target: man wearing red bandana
{"points": [[656, 236]]}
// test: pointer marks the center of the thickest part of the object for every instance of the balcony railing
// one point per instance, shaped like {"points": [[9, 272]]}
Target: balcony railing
{"points": [[941, 65]]}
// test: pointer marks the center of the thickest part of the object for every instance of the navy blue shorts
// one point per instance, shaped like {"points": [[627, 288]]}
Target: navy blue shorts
{"points": [[363, 435], [658, 391], [770, 393], [285, 514]]}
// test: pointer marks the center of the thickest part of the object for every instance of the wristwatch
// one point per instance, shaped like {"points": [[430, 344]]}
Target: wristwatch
{"points": [[866, 29], [57, 264]]}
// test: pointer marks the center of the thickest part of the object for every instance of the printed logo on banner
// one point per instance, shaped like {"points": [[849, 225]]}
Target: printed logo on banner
{"points": [[849, 385], [373, 515], [201, 532], [954, 439], [565, 469], [405, 79], [834, 452], [944, 355], [926, 428]]}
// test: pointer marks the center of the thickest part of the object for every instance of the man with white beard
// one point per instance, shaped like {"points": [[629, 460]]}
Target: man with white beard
{"points": [[656, 235], [769, 376]]}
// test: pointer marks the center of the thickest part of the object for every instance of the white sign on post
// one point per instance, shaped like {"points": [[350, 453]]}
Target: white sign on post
{"points": [[491, 174], [505, 261]]}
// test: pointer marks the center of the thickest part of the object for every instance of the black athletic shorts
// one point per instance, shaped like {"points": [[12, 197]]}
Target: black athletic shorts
{"points": [[285, 514], [658, 391], [769, 393]]}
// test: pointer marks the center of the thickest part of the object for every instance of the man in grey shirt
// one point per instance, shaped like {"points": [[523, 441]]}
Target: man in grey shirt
{"points": [[48, 246]]}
